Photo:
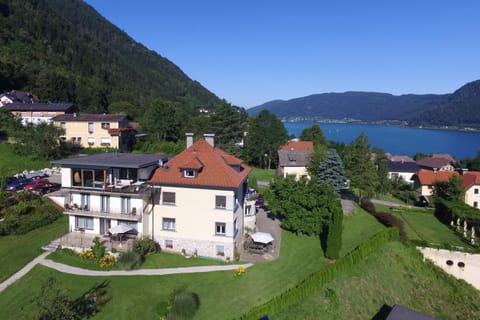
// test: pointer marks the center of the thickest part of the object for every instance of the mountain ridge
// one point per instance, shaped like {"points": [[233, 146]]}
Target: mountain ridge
{"points": [[460, 108]]}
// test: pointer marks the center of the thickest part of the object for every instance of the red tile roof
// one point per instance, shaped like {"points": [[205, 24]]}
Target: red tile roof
{"points": [[216, 168], [470, 179], [298, 146], [428, 178]]}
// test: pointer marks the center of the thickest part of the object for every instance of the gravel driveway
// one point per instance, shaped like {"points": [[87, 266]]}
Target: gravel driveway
{"points": [[265, 223]]}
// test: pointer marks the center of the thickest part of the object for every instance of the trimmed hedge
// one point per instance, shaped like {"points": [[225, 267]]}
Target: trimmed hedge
{"points": [[447, 211], [322, 277], [385, 218]]}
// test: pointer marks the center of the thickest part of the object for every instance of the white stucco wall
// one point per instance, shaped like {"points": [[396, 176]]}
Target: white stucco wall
{"points": [[298, 172], [471, 270], [471, 197]]}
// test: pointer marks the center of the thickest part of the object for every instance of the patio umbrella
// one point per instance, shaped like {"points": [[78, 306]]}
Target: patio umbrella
{"points": [[262, 237], [121, 228]]}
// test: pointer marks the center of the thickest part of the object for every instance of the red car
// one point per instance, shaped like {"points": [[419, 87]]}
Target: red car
{"points": [[38, 185]]}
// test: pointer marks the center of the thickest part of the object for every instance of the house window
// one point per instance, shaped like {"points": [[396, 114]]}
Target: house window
{"points": [[91, 141], [220, 228], [131, 224], [85, 201], [169, 244], [475, 204], [90, 127], [105, 125], [105, 204], [125, 205], [189, 173], [220, 202], [475, 191], [220, 250], [168, 224], [83, 223], [62, 124], [105, 142], [168, 198]]}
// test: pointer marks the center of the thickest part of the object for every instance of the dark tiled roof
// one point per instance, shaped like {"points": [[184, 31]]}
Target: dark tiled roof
{"points": [[39, 106], [216, 168], [432, 162], [288, 158], [89, 117], [20, 96], [399, 312], [397, 166], [112, 160]]}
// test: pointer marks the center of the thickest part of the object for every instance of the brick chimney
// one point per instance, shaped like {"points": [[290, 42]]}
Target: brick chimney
{"points": [[189, 136], [210, 138]]}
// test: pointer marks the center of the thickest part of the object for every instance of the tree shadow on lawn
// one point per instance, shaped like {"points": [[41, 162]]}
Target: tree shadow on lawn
{"points": [[90, 302]]}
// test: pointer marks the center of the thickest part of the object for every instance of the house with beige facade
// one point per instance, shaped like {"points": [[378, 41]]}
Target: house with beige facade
{"points": [[202, 204], [35, 113], [104, 190], [96, 130], [293, 159]]}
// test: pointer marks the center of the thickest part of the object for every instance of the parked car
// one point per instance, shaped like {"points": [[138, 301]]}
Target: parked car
{"points": [[259, 202], [39, 185], [19, 184]]}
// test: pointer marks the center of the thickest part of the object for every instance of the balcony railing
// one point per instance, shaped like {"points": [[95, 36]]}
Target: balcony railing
{"points": [[131, 188], [75, 209]]}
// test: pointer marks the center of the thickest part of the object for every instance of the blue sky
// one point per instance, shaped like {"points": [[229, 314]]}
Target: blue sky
{"points": [[250, 52]]}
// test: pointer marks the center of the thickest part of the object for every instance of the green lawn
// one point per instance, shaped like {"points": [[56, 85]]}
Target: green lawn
{"points": [[11, 163], [358, 227], [153, 261], [17, 250], [222, 294], [394, 275], [262, 174], [421, 224]]}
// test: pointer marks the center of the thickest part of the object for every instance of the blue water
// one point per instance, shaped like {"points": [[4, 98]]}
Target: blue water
{"points": [[399, 140]]}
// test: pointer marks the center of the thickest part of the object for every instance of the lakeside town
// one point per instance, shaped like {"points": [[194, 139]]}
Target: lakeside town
{"points": [[204, 204]]}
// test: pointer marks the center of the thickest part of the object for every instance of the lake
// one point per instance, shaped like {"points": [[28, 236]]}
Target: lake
{"points": [[399, 140]]}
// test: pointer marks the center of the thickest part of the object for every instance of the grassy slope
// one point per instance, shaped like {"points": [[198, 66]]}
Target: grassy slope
{"points": [[395, 275], [222, 295], [17, 250], [11, 164]]}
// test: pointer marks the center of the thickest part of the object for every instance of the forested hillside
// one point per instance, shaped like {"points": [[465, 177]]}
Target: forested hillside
{"points": [[365, 106], [461, 110], [64, 51]]}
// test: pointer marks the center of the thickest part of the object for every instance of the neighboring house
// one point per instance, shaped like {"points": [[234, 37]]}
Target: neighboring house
{"points": [[16, 96], [294, 157], [437, 162], [35, 113], [202, 204], [471, 185], [97, 130], [423, 181], [104, 190], [403, 169]]}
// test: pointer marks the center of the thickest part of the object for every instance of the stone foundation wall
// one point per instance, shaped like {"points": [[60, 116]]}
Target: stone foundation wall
{"points": [[202, 248]]}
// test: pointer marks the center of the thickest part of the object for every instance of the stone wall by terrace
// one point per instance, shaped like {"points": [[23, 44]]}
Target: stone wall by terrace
{"points": [[202, 248]]}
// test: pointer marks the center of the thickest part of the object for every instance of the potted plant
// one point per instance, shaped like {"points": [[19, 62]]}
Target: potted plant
{"points": [[236, 254]]}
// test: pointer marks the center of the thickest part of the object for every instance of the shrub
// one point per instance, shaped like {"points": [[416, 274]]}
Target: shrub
{"points": [[129, 260], [98, 249], [145, 246], [183, 304]]}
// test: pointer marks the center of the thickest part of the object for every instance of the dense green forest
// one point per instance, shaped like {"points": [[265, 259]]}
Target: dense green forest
{"points": [[64, 51]]}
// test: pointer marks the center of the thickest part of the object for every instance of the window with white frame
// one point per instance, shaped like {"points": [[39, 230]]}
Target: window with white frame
{"points": [[105, 125], [188, 173], [475, 191], [220, 202], [90, 127], [169, 244], [105, 141], [91, 141], [168, 224], [83, 222], [220, 228], [125, 205], [105, 204], [168, 198]]}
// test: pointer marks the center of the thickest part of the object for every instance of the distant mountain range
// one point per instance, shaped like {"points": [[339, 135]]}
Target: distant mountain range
{"points": [[459, 109]]}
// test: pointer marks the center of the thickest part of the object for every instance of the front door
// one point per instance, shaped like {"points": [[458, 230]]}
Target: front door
{"points": [[104, 225]]}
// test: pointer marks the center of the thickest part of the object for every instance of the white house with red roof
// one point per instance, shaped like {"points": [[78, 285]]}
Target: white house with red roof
{"points": [[294, 157], [202, 201], [471, 185]]}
